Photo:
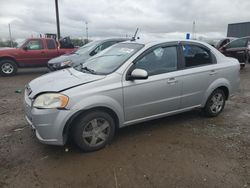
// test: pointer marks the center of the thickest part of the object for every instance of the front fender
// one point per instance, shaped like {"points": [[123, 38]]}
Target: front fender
{"points": [[100, 101], [5, 56], [214, 85]]}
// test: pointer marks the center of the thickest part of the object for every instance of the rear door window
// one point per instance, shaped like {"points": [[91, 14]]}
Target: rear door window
{"points": [[196, 56]]}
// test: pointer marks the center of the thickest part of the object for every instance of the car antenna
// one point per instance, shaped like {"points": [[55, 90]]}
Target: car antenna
{"points": [[134, 37]]}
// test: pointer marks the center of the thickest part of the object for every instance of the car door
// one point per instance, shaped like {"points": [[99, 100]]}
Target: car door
{"points": [[33, 53], [160, 93], [199, 71], [236, 49]]}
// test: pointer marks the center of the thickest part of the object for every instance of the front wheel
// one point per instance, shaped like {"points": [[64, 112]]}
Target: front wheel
{"points": [[8, 67], [215, 103], [93, 130]]}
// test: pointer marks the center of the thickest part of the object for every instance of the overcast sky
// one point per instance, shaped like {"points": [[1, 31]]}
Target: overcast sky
{"points": [[111, 18]]}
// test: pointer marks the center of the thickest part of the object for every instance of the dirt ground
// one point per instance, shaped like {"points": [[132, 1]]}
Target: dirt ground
{"points": [[187, 150]]}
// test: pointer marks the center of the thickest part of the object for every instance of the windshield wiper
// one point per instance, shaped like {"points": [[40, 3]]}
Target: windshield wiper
{"points": [[88, 70]]}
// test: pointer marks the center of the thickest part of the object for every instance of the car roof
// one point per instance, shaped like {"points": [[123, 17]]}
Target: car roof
{"points": [[149, 44], [247, 37], [112, 39], [155, 42]]}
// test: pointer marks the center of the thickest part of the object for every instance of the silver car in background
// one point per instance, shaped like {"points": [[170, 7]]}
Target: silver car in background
{"points": [[82, 54], [128, 83]]}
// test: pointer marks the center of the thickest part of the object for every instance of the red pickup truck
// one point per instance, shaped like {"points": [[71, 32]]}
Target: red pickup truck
{"points": [[33, 52]]}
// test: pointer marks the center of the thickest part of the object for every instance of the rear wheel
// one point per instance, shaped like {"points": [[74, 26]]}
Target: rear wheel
{"points": [[8, 67], [215, 103], [94, 131]]}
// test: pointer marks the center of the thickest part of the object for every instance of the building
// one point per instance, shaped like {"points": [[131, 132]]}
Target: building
{"points": [[238, 29]]}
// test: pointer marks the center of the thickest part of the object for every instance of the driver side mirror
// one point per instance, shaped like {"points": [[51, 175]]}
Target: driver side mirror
{"points": [[25, 48], [138, 74]]}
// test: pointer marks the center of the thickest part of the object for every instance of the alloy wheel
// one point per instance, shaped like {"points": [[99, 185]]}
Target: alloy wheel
{"points": [[217, 102], [7, 68], [96, 132]]}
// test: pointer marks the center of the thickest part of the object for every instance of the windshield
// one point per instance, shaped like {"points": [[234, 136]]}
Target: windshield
{"points": [[21, 43], [86, 47], [111, 59]]}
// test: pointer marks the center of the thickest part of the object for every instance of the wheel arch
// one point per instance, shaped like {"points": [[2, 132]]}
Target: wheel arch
{"points": [[222, 84], [225, 90], [9, 58], [71, 121]]}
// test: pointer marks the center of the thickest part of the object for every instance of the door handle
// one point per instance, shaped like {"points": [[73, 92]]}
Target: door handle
{"points": [[240, 52], [172, 81], [213, 72], [42, 52]]}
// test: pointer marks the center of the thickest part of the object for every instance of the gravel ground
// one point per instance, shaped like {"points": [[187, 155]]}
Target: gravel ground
{"points": [[187, 150]]}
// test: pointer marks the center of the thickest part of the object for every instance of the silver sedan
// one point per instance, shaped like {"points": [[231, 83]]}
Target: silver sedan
{"points": [[128, 83]]}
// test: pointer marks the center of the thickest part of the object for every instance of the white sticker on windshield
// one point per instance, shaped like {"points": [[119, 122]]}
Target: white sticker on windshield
{"points": [[126, 50]]}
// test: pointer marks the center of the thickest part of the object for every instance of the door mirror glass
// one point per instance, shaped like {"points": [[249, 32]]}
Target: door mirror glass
{"points": [[139, 74]]}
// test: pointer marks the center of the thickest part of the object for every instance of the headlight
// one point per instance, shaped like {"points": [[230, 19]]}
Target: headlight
{"points": [[66, 64], [51, 100]]}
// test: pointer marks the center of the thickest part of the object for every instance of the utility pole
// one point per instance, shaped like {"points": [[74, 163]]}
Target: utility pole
{"points": [[87, 32], [11, 42], [193, 31], [57, 21]]}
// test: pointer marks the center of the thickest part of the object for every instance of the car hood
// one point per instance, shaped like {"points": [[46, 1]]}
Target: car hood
{"points": [[75, 58], [60, 80], [6, 48], [9, 51]]}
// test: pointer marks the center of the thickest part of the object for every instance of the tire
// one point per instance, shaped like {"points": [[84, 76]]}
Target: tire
{"points": [[242, 66], [8, 67], [215, 103], [93, 131]]}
